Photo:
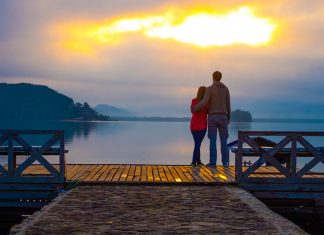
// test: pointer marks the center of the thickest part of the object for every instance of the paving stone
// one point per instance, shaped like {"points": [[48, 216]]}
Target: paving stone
{"points": [[125, 209]]}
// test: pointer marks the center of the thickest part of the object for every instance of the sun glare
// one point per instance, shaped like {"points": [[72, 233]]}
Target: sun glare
{"points": [[201, 28]]}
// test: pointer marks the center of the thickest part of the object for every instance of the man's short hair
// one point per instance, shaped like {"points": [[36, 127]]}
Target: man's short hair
{"points": [[217, 76]]}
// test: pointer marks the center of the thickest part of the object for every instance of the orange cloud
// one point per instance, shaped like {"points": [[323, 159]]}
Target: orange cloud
{"points": [[201, 28]]}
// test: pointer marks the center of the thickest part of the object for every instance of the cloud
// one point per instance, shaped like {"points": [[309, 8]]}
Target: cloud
{"points": [[156, 76]]}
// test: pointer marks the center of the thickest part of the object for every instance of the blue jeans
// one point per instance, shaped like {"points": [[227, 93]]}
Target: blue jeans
{"points": [[218, 122], [198, 138]]}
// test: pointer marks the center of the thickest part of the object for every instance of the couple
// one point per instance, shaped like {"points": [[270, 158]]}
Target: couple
{"points": [[214, 101]]}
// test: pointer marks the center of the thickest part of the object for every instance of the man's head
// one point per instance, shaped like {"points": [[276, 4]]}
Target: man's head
{"points": [[217, 76]]}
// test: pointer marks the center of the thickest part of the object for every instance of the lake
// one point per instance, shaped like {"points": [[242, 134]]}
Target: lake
{"points": [[135, 142]]}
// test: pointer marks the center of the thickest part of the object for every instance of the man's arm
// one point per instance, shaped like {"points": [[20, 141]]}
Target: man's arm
{"points": [[202, 103], [229, 111]]}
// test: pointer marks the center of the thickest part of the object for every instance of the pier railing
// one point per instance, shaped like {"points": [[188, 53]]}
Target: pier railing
{"points": [[292, 146], [18, 142]]}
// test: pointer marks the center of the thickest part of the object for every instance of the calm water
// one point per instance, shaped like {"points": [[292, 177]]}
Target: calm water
{"points": [[146, 142]]}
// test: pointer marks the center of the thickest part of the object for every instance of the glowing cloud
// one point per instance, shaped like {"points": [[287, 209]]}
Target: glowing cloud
{"points": [[200, 28]]}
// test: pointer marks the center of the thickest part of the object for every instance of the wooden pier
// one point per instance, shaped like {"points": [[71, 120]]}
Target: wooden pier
{"points": [[283, 186], [150, 174]]}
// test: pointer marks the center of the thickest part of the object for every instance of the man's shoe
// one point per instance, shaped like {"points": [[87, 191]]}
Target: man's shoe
{"points": [[226, 165], [200, 164], [193, 164]]}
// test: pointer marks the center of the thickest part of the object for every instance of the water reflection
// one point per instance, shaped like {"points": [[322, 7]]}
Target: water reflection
{"points": [[145, 142], [72, 129], [240, 126]]}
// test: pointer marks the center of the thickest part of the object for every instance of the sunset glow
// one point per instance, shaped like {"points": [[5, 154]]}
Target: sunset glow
{"points": [[200, 28]]}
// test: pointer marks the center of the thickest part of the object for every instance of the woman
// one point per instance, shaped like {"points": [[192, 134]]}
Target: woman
{"points": [[198, 125]]}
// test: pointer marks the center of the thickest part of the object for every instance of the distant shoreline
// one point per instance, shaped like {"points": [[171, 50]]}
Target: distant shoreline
{"points": [[176, 119], [187, 119]]}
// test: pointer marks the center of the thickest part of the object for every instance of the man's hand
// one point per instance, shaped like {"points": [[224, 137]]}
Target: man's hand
{"points": [[194, 109]]}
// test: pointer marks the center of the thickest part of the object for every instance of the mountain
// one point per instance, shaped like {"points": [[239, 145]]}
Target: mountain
{"points": [[113, 111], [24, 101]]}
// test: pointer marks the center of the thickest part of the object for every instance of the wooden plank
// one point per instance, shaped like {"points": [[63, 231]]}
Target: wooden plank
{"points": [[232, 171], [181, 174], [174, 174], [93, 172], [261, 172], [218, 174], [86, 172], [124, 175], [156, 175], [281, 133], [111, 174], [78, 172], [103, 177], [282, 180], [162, 174], [138, 171], [102, 169], [131, 173], [225, 171], [168, 174], [306, 187], [193, 171], [150, 177], [201, 173], [208, 173], [39, 170], [73, 171], [144, 173], [28, 171], [271, 172], [187, 174], [290, 195], [119, 172]]}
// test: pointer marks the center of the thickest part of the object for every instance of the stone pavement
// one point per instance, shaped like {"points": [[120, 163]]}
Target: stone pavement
{"points": [[125, 209]]}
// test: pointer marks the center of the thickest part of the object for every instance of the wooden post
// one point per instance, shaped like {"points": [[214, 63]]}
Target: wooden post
{"points": [[239, 156], [10, 154], [62, 157], [293, 157]]}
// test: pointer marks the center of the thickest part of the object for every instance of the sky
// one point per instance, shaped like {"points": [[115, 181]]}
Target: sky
{"points": [[151, 56]]}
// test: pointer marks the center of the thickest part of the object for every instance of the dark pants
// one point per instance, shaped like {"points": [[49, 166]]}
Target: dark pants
{"points": [[218, 122], [198, 138]]}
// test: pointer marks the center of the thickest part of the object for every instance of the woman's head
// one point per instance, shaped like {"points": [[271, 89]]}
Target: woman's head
{"points": [[201, 93]]}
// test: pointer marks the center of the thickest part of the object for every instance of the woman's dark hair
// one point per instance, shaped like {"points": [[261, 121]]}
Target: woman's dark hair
{"points": [[200, 93]]}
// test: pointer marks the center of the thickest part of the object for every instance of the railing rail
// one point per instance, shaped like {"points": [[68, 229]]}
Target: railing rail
{"points": [[288, 171], [14, 142]]}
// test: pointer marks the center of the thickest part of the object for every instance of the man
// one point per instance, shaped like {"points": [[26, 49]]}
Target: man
{"points": [[219, 114]]}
